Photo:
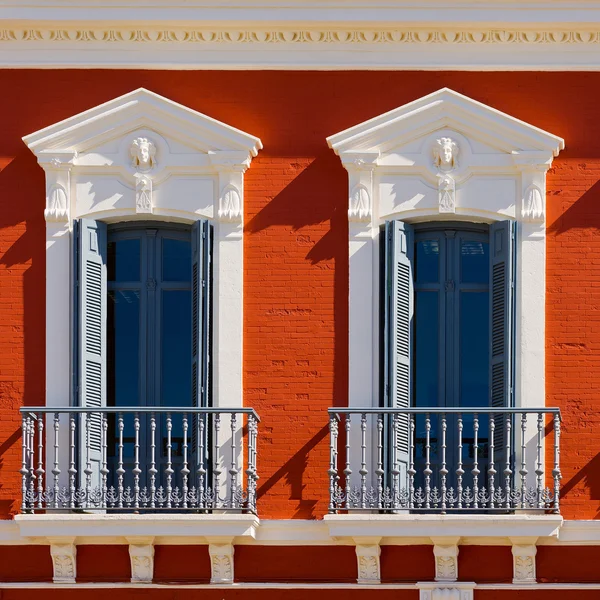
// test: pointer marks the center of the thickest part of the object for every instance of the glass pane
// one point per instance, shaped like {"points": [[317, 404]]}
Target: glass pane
{"points": [[123, 361], [124, 260], [428, 261], [176, 354], [426, 355], [474, 261], [177, 260], [474, 362]]}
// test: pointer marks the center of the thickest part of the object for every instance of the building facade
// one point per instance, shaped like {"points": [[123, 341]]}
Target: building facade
{"points": [[299, 298]]}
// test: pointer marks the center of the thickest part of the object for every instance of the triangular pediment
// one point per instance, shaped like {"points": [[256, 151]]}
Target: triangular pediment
{"points": [[445, 109], [141, 110]]}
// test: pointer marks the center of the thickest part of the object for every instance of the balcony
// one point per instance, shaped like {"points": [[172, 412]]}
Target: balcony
{"points": [[450, 460], [135, 460]]}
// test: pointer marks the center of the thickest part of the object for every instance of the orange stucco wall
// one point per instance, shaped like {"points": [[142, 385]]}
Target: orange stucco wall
{"points": [[296, 263]]}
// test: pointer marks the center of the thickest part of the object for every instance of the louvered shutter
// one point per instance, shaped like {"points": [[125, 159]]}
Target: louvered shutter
{"points": [[90, 288], [201, 334], [399, 312], [501, 324]]}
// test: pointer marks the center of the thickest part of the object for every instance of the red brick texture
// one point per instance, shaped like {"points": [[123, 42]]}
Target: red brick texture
{"points": [[296, 254], [292, 564], [103, 563]]}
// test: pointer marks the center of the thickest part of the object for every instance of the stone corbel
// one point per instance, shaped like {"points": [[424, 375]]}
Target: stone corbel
{"points": [[64, 559], [360, 169], [368, 552], [230, 168], [439, 591], [58, 187], [445, 551], [524, 551], [141, 555], [221, 560], [533, 168]]}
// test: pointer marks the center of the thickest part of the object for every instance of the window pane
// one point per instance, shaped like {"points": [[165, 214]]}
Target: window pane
{"points": [[474, 348], [428, 261], [177, 260], [426, 348], [124, 260], [474, 261], [123, 361], [176, 367]]}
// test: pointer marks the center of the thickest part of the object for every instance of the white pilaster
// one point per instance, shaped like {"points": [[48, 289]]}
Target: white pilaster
{"points": [[64, 559], [524, 551], [221, 562], [141, 555], [445, 551], [368, 552]]}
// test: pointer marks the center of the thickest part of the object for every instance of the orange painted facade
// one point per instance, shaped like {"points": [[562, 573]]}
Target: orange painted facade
{"points": [[296, 307]]}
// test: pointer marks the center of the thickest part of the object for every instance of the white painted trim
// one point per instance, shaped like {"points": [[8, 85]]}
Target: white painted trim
{"points": [[442, 526], [296, 532], [298, 586], [122, 526]]}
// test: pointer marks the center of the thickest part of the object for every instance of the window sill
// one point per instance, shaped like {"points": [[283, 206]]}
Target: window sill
{"points": [[113, 528], [427, 526]]}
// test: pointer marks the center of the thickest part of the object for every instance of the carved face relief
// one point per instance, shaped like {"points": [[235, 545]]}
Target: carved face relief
{"points": [[445, 154], [143, 154]]}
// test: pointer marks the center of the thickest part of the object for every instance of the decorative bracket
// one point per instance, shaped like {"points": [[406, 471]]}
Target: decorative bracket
{"points": [[524, 551], [445, 551], [533, 167], [230, 167], [360, 167], [58, 187], [141, 554], [221, 562], [64, 559], [368, 552]]}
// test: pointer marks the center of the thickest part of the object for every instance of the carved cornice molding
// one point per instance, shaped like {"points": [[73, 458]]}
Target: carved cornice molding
{"points": [[281, 35]]}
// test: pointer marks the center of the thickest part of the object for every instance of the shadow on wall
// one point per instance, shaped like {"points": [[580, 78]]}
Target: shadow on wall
{"points": [[293, 471], [586, 484], [317, 194], [22, 314]]}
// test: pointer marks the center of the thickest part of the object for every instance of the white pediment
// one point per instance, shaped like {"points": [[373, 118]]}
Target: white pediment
{"points": [[138, 110], [142, 155], [411, 124], [446, 154]]}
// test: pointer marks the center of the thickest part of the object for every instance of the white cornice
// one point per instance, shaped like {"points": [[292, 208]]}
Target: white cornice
{"points": [[553, 35]]}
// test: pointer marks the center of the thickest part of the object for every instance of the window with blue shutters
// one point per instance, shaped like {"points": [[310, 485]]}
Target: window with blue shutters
{"points": [[448, 328], [142, 330]]}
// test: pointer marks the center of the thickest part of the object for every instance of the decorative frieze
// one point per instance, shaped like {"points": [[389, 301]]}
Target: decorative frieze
{"points": [[368, 552], [64, 560], [273, 35], [221, 562], [141, 555]]}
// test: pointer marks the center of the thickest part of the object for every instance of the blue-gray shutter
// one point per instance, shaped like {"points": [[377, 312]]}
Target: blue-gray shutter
{"points": [[91, 294], [399, 312], [201, 330], [502, 256]]}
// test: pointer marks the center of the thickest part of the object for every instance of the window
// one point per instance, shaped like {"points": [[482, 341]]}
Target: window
{"points": [[448, 330], [142, 330]]}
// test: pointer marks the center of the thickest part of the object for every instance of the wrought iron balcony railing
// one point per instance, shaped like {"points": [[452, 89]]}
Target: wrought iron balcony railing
{"points": [[134, 459], [444, 459]]}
